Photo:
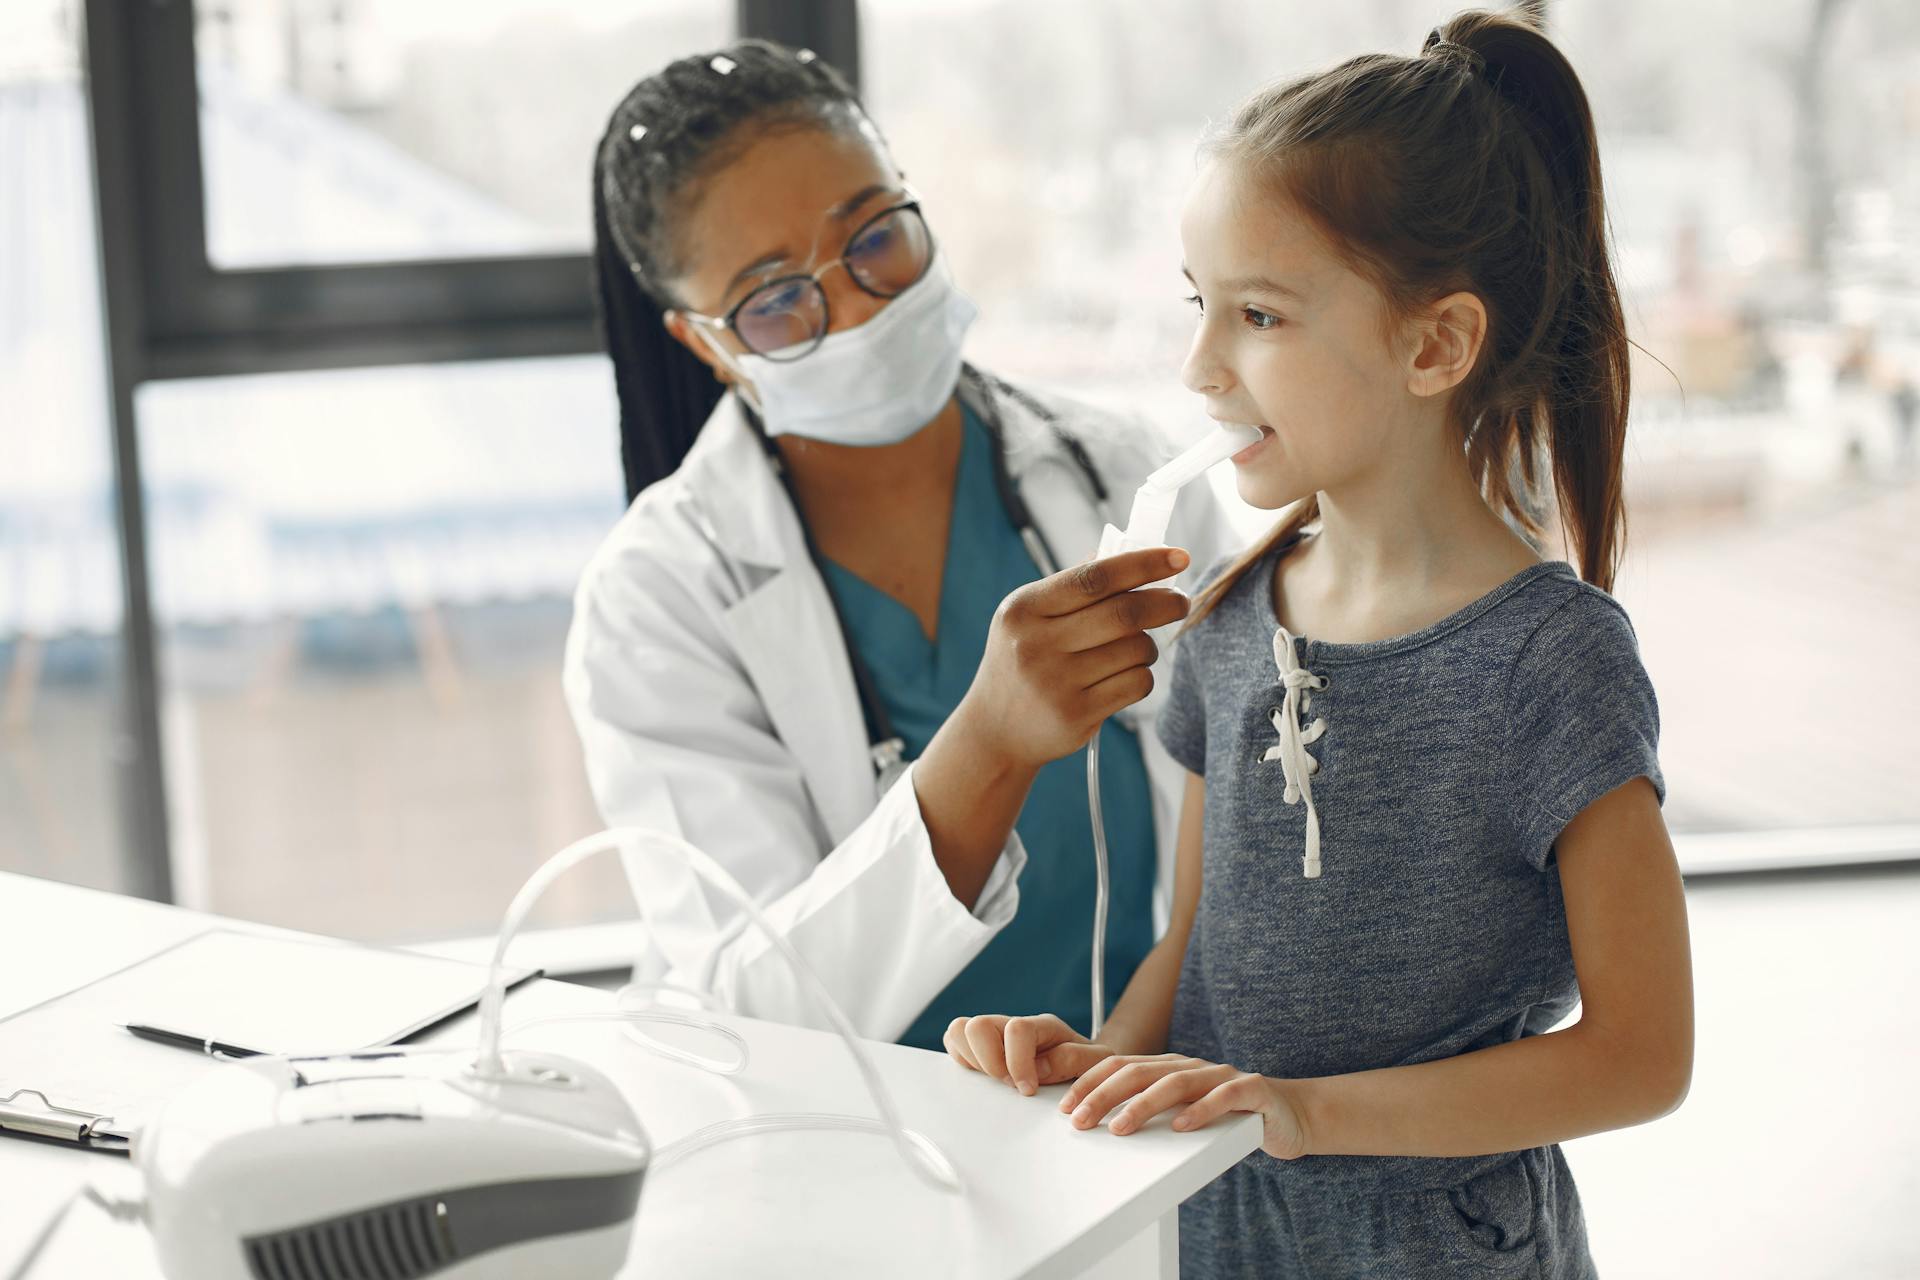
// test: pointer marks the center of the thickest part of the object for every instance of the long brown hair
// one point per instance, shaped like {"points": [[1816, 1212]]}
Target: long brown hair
{"points": [[1472, 166]]}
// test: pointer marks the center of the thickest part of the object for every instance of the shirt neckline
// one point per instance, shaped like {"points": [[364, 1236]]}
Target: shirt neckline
{"points": [[1364, 651], [930, 649]]}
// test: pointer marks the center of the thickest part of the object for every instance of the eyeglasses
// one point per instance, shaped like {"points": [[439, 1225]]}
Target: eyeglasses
{"points": [[787, 318]]}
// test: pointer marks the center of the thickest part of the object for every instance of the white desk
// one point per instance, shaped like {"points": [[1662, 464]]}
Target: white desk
{"points": [[1042, 1200]]}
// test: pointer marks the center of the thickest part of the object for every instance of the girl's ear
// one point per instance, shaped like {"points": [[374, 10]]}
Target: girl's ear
{"points": [[682, 330], [1447, 342]]}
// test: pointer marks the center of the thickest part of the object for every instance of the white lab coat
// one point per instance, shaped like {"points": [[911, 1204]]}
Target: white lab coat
{"points": [[707, 677]]}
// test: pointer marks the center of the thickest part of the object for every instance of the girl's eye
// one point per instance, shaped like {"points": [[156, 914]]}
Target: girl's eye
{"points": [[1259, 321], [1194, 300]]}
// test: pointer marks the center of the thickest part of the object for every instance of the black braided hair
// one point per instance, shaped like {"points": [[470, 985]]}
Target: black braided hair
{"points": [[673, 130]]}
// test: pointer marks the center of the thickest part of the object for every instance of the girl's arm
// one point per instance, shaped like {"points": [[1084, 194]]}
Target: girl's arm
{"points": [[1027, 1052], [1627, 1060], [1144, 1010]]}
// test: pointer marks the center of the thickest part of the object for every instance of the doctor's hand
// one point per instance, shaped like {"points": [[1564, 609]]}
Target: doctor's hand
{"points": [[1066, 652], [1023, 1052], [1063, 654]]}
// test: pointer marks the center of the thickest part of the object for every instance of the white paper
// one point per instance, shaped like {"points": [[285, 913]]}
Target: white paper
{"points": [[278, 995]]}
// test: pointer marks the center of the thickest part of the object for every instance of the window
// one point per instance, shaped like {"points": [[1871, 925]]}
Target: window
{"points": [[360, 579], [1057, 183], [60, 605], [341, 650], [379, 130], [1765, 240], [362, 583], [1765, 234]]}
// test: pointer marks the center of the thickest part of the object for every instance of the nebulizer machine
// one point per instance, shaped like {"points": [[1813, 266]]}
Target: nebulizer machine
{"points": [[491, 1162], [478, 1163]]}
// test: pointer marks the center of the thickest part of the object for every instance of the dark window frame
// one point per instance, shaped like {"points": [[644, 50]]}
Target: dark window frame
{"points": [[200, 320], [170, 313]]}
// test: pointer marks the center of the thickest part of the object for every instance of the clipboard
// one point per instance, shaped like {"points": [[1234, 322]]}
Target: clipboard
{"points": [[70, 1073]]}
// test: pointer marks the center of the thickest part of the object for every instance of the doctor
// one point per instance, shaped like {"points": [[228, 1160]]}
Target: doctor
{"points": [[831, 642]]}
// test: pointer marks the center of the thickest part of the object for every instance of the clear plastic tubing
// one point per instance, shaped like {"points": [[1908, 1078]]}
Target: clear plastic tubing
{"points": [[1147, 525], [920, 1154]]}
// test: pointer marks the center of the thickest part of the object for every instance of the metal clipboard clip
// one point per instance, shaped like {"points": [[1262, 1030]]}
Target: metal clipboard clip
{"points": [[50, 1120]]}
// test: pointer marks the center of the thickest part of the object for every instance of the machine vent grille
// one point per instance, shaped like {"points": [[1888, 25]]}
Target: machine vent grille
{"points": [[393, 1242]]}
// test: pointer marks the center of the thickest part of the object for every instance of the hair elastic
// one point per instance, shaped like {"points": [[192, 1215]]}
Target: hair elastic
{"points": [[1438, 46]]}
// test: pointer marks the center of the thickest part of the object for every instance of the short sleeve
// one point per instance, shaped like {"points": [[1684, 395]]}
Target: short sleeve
{"points": [[1183, 720], [1582, 720]]}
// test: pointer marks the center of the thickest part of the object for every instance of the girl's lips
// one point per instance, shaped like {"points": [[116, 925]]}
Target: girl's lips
{"points": [[1266, 434]]}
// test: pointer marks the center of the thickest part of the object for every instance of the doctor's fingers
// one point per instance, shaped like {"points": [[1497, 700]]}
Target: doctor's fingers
{"points": [[1113, 657], [1074, 589], [1127, 614], [1116, 693]]}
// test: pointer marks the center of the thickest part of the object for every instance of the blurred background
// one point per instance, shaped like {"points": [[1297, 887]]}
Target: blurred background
{"points": [[304, 440], [333, 540]]}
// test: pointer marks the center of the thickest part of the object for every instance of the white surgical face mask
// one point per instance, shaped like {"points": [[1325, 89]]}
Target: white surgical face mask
{"points": [[873, 385]]}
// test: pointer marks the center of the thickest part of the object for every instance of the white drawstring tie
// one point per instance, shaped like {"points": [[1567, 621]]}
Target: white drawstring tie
{"points": [[1291, 750]]}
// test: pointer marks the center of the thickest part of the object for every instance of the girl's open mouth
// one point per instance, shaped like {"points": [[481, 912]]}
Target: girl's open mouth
{"points": [[1266, 434]]}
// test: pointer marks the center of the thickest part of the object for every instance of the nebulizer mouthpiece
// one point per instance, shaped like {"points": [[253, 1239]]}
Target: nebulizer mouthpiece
{"points": [[1153, 502]]}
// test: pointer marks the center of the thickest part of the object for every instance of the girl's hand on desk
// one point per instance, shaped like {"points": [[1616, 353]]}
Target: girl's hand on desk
{"points": [[1024, 1052], [1136, 1089]]}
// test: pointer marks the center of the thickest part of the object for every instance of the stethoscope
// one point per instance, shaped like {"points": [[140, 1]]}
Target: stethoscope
{"points": [[885, 747]]}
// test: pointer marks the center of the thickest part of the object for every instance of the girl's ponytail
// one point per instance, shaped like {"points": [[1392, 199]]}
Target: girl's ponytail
{"points": [[1581, 330]]}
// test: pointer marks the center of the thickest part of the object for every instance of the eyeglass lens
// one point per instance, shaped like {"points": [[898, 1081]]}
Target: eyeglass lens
{"points": [[787, 318]]}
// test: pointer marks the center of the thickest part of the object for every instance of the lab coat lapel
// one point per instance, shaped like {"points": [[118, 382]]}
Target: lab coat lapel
{"points": [[789, 642], [782, 625]]}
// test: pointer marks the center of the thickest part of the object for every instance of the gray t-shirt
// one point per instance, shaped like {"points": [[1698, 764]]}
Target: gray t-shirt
{"points": [[1449, 762]]}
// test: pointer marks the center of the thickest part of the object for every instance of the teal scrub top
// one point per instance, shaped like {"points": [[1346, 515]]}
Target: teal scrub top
{"points": [[1040, 962]]}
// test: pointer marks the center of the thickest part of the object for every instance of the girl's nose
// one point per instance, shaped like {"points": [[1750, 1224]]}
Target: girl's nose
{"points": [[1202, 372]]}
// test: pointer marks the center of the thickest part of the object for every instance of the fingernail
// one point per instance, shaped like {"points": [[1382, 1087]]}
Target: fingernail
{"points": [[1179, 559], [1122, 1125], [1181, 1122], [1082, 1116], [1026, 1088]]}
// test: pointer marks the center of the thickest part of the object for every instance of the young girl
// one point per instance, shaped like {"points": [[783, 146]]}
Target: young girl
{"points": [[1431, 797]]}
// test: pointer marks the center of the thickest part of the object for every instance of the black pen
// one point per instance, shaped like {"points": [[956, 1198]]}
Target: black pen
{"points": [[181, 1040]]}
